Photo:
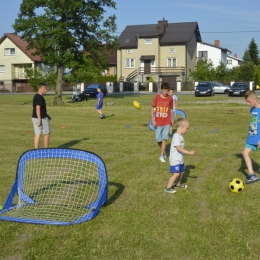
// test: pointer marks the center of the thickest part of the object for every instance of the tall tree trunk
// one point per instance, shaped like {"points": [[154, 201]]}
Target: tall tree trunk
{"points": [[58, 90]]}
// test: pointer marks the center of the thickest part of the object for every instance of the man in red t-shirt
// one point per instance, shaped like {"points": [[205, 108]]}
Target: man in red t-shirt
{"points": [[161, 113]]}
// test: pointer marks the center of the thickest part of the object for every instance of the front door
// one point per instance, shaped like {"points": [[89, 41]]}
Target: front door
{"points": [[147, 67]]}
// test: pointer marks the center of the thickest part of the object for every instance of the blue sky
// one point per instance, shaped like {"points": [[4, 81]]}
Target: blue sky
{"points": [[233, 22]]}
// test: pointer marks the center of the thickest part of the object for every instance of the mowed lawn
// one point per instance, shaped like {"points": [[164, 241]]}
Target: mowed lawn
{"points": [[140, 220]]}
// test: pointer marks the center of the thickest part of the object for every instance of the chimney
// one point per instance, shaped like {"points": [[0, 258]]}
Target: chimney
{"points": [[235, 55], [216, 43], [162, 25]]}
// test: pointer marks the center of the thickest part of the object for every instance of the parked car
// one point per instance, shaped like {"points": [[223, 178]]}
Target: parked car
{"points": [[91, 90], [238, 88], [204, 88], [220, 88]]}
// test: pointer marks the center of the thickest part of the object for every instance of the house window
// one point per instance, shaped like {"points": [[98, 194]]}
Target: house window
{"points": [[129, 51], [203, 55], [127, 40], [171, 62], [148, 41], [172, 50], [2, 68], [129, 63], [10, 51], [229, 61]]}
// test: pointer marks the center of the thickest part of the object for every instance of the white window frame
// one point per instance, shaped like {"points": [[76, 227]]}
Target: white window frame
{"points": [[2, 68], [171, 62], [130, 63], [9, 51], [129, 51], [172, 50], [148, 41], [229, 62]]}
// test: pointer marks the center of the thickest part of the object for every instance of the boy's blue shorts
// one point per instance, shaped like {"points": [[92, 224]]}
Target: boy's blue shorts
{"points": [[179, 168], [161, 133], [98, 107], [253, 147]]}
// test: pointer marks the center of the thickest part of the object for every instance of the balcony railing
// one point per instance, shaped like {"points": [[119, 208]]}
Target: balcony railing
{"points": [[18, 75], [156, 71]]}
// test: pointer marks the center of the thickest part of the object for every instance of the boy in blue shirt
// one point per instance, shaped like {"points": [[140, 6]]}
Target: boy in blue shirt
{"points": [[100, 103], [253, 137]]}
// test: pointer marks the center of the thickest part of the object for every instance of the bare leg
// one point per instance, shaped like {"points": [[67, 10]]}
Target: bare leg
{"points": [[36, 141], [46, 140], [100, 112], [178, 180], [172, 180], [163, 146], [248, 160]]}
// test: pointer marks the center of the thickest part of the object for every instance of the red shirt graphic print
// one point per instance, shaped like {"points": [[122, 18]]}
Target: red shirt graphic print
{"points": [[162, 111]]}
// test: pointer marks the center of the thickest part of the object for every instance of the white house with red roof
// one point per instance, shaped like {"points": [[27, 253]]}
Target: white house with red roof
{"points": [[213, 52]]}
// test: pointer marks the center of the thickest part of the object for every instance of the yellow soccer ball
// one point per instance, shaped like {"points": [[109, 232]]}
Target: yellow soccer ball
{"points": [[236, 185]]}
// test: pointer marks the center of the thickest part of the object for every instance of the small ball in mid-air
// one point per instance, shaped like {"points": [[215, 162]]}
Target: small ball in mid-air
{"points": [[136, 104]]}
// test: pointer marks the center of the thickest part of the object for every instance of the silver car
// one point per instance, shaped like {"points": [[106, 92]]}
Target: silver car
{"points": [[220, 88]]}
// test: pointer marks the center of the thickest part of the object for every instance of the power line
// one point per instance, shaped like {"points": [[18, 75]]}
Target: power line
{"points": [[143, 31]]}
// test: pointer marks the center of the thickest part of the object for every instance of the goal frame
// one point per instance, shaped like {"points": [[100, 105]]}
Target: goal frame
{"points": [[17, 187]]}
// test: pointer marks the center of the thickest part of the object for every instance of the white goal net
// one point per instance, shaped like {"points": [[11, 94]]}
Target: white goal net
{"points": [[57, 186]]}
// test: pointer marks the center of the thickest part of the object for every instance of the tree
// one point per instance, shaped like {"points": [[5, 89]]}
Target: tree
{"points": [[65, 30], [204, 71], [221, 73], [253, 52], [34, 76], [244, 72], [246, 58], [257, 76]]}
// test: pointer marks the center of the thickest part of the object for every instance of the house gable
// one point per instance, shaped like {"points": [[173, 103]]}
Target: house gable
{"points": [[21, 44], [172, 33], [212, 52]]}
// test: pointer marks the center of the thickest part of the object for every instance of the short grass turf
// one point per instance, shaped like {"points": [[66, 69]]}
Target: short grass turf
{"points": [[140, 220]]}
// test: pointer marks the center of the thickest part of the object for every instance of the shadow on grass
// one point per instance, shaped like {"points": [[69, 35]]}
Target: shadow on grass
{"points": [[108, 116], [118, 192], [72, 143], [186, 174], [243, 166]]}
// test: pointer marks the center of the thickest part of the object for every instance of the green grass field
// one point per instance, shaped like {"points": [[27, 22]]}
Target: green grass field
{"points": [[140, 220]]}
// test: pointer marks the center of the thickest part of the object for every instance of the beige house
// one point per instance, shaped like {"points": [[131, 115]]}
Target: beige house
{"points": [[163, 51], [14, 58]]}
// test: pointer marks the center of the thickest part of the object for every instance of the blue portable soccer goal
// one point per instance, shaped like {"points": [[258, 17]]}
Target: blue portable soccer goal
{"points": [[58, 186]]}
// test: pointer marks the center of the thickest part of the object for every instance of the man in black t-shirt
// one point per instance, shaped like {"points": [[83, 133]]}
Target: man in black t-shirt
{"points": [[40, 118]]}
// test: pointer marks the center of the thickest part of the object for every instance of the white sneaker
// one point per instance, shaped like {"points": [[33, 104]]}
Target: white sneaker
{"points": [[170, 190], [162, 159]]}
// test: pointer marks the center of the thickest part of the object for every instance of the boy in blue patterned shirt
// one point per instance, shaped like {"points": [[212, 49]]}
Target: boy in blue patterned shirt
{"points": [[100, 103], [253, 137]]}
